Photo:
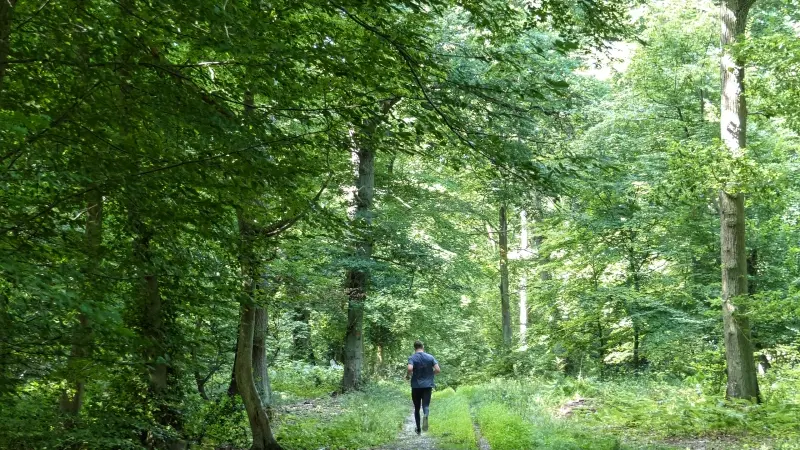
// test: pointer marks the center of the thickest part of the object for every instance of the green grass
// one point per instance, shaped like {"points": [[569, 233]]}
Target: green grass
{"points": [[518, 414], [451, 423], [360, 420]]}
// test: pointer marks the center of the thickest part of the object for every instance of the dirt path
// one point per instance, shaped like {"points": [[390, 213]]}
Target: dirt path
{"points": [[409, 440]]}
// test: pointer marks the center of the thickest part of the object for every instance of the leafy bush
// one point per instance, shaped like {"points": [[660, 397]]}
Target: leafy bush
{"points": [[295, 379]]}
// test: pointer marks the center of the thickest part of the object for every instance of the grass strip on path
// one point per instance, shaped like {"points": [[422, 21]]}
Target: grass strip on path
{"points": [[450, 421]]}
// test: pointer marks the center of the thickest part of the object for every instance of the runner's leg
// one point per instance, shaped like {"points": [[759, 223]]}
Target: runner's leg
{"points": [[416, 397], [426, 402]]}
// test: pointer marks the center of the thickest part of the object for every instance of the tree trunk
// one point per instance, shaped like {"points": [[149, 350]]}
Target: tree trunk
{"points": [[6, 379], [356, 281], [601, 343], [504, 297], [523, 282], [151, 322], [245, 343], [77, 361], [233, 388], [256, 414], [6, 14], [301, 335], [742, 381], [364, 143], [260, 372]]}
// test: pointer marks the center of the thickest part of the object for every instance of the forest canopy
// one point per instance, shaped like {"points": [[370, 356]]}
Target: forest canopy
{"points": [[224, 223]]}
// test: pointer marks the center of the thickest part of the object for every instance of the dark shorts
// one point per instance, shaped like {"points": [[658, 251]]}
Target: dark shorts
{"points": [[421, 397]]}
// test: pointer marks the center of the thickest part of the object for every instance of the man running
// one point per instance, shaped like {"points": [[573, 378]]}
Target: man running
{"points": [[421, 369]]}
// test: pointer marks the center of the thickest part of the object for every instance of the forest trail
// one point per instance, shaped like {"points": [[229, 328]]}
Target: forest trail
{"points": [[409, 440]]}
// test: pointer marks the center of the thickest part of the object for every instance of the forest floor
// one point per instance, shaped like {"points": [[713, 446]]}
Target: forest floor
{"points": [[534, 414]]}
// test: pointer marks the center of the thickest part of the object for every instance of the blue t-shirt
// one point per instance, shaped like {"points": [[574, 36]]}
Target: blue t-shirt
{"points": [[422, 376]]}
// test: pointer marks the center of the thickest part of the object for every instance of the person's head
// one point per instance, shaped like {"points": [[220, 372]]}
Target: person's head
{"points": [[418, 345]]}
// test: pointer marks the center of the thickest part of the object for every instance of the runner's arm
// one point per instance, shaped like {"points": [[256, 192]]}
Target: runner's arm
{"points": [[410, 369], [436, 369]]}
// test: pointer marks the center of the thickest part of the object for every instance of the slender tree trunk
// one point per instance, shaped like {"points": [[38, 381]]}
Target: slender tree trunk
{"points": [[260, 372], [256, 413], [78, 360], [523, 282], [6, 15], [504, 297], [233, 388], [637, 327], [6, 379], [301, 335], [601, 346], [742, 380], [245, 343]]}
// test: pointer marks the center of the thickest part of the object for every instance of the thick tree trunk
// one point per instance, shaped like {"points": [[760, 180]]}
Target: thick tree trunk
{"points": [[260, 372], [742, 381], [357, 278], [364, 142], [504, 297], [6, 15], [77, 362], [245, 343]]}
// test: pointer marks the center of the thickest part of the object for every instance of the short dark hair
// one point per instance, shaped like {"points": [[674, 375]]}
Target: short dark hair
{"points": [[418, 345]]}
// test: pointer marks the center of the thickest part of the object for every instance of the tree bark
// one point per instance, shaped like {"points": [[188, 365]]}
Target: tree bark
{"points": [[260, 366], [504, 297], [742, 381]]}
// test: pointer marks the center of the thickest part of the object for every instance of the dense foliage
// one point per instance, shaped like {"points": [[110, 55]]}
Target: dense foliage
{"points": [[222, 223]]}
